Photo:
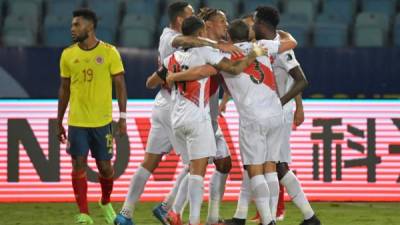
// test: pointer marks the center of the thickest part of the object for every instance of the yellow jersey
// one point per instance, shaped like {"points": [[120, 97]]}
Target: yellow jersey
{"points": [[91, 74]]}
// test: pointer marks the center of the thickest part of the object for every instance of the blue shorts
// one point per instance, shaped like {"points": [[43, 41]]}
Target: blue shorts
{"points": [[99, 140]]}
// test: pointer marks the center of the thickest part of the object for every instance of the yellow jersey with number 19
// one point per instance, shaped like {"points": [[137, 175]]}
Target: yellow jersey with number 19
{"points": [[91, 74]]}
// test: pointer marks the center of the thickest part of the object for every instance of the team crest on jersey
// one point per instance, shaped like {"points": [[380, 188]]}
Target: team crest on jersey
{"points": [[289, 57], [99, 60]]}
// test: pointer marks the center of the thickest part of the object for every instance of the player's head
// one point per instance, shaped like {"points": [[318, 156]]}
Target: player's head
{"points": [[193, 26], [84, 23], [238, 31], [249, 20], [216, 22], [178, 11], [266, 19]]}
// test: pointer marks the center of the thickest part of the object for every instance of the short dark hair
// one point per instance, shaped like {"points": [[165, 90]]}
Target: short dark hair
{"points": [[191, 25], [86, 14], [176, 9], [268, 15], [238, 30]]}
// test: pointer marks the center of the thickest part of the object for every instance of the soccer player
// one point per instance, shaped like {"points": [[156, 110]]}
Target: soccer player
{"points": [[190, 111], [216, 26], [88, 69], [290, 79], [161, 140], [260, 112]]}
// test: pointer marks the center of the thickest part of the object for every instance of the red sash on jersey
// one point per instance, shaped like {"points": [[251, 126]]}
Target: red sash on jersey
{"points": [[188, 89], [259, 73]]}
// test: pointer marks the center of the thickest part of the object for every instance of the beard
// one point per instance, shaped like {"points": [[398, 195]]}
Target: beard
{"points": [[80, 38]]}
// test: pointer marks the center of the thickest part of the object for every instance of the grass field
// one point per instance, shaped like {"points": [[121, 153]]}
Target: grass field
{"points": [[329, 213]]}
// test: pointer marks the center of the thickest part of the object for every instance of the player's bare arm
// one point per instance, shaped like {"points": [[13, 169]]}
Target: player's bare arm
{"points": [[120, 90], [194, 73], [299, 113], [300, 83], [236, 67], [225, 99], [63, 99], [153, 81], [191, 42], [287, 41]]}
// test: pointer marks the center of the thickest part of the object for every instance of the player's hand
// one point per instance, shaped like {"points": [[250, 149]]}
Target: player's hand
{"points": [[298, 116], [121, 127], [222, 108], [259, 51], [230, 48], [170, 80], [62, 136]]}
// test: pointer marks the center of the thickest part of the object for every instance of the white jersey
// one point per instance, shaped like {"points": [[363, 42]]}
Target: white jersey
{"points": [[191, 98], [281, 66], [254, 90], [165, 49]]}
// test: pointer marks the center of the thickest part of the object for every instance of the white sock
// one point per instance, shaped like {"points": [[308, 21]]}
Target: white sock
{"points": [[295, 191], [260, 193], [136, 188], [273, 186], [217, 189], [196, 191], [181, 196], [242, 207], [170, 198]]}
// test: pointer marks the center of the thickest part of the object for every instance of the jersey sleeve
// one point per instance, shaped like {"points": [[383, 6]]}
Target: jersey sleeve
{"points": [[65, 72], [212, 56], [272, 46], [288, 60], [171, 38], [116, 65]]}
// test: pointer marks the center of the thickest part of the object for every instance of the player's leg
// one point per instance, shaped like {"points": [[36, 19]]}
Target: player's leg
{"points": [[273, 185], [242, 208], [162, 126], [157, 145], [253, 152], [280, 213], [101, 146], [201, 146], [78, 148], [196, 188], [223, 165], [174, 214], [169, 200], [289, 180], [274, 140], [284, 156]]}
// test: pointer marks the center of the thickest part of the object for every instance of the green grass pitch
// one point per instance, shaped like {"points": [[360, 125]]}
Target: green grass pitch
{"points": [[329, 213]]}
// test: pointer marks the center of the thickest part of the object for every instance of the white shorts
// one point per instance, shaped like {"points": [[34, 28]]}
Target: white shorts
{"points": [[161, 139], [285, 154], [222, 147], [195, 141], [260, 142]]}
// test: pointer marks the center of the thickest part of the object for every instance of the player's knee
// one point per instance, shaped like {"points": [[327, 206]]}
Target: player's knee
{"points": [[78, 163], [282, 168], [223, 165], [151, 161], [105, 169]]}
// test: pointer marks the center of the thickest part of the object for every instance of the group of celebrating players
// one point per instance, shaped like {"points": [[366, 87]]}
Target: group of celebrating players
{"points": [[255, 65]]}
